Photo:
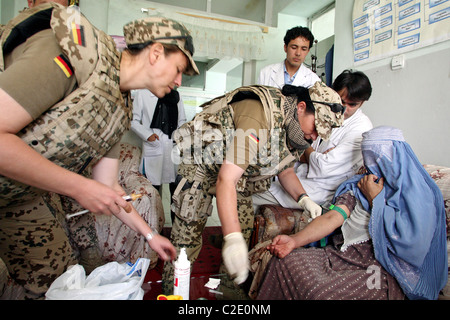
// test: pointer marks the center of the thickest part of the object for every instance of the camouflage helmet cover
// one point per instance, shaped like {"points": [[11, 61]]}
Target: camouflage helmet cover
{"points": [[325, 118], [162, 30]]}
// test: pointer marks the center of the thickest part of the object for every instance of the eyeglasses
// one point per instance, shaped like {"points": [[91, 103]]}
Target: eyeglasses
{"points": [[188, 43], [335, 107]]}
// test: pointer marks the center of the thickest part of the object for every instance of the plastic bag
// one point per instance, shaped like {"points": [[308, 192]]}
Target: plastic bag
{"points": [[112, 281]]}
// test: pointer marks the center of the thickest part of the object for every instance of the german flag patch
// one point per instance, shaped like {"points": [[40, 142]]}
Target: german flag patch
{"points": [[65, 65], [254, 137], [78, 34]]}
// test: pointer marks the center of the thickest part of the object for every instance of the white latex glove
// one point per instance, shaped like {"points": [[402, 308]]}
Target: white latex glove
{"points": [[235, 256], [308, 205]]}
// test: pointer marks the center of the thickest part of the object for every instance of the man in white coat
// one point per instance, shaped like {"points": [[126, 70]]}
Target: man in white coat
{"points": [[327, 164], [297, 43], [154, 124]]}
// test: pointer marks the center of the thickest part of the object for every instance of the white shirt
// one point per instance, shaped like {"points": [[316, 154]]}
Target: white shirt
{"points": [[325, 172], [156, 155], [273, 75]]}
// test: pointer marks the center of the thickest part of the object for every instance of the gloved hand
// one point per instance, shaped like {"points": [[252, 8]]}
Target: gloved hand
{"points": [[235, 256], [308, 205]]}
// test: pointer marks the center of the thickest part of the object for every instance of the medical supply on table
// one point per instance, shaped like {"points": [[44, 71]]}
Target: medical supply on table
{"points": [[212, 283], [170, 297], [130, 197], [182, 275]]}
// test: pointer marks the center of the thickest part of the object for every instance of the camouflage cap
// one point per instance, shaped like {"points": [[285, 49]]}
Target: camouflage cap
{"points": [[326, 118], [162, 30]]}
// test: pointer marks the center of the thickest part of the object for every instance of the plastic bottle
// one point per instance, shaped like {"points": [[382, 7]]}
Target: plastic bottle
{"points": [[182, 275]]}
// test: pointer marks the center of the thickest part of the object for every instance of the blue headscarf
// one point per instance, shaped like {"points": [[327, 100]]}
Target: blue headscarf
{"points": [[407, 223]]}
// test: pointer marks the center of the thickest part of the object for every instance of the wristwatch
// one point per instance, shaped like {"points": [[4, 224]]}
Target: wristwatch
{"points": [[150, 235]]}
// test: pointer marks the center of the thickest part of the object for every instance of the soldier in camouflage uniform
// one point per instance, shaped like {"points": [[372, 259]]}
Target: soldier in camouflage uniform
{"points": [[233, 149], [60, 134]]}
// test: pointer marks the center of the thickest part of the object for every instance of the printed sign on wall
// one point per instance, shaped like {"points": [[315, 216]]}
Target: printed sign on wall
{"points": [[383, 28]]}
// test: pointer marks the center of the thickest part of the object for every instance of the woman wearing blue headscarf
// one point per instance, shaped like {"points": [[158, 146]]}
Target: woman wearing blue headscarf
{"points": [[393, 234]]}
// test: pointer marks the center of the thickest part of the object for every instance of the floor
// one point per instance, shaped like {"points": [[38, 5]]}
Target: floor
{"points": [[207, 265]]}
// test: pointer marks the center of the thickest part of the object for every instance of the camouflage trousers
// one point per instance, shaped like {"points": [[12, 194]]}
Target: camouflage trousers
{"points": [[38, 244], [34, 246], [187, 228]]}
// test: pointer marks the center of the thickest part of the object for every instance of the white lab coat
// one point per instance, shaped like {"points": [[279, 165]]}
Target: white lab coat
{"points": [[156, 155], [273, 75], [326, 172]]}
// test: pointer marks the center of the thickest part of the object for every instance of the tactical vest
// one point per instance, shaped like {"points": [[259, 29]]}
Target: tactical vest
{"points": [[218, 115], [78, 131]]}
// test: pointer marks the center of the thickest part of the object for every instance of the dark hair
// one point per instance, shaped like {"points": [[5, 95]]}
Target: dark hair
{"points": [[301, 93], [296, 32], [357, 84]]}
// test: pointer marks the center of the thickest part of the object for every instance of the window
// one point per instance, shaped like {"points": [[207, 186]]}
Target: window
{"points": [[251, 10], [322, 24]]}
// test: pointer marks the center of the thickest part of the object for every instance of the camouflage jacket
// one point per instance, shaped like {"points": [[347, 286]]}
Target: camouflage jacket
{"points": [[78, 131], [203, 141]]}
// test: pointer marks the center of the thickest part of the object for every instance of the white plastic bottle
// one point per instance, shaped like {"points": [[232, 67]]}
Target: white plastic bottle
{"points": [[182, 275]]}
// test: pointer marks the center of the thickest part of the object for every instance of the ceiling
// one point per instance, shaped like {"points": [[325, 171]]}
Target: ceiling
{"points": [[305, 8]]}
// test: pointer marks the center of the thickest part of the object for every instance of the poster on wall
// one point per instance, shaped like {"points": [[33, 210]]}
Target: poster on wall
{"points": [[384, 28]]}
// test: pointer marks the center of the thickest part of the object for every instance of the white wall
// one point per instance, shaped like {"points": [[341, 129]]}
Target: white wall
{"points": [[11, 8], [415, 99]]}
